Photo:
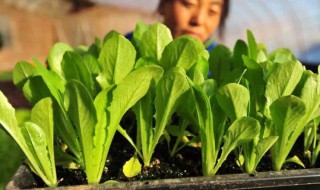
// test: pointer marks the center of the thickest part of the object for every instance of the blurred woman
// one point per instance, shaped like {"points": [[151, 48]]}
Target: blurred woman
{"points": [[197, 18]]}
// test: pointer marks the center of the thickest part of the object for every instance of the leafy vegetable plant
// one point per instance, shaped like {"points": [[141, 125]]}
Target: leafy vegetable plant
{"points": [[176, 58], [267, 80], [84, 122], [34, 137], [287, 106], [244, 102]]}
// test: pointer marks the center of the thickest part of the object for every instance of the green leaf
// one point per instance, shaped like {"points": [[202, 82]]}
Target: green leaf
{"points": [[220, 64], [255, 76], [241, 131], [247, 151], [264, 145], [182, 135], [262, 56], [116, 60], [81, 49], [286, 112], [116, 101], [187, 110], [219, 121], [310, 133], [174, 130], [181, 52], [9, 121], [111, 182], [74, 67], [252, 45], [42, 115], [124, 133], [281, 55], [154, 40], [92, 64], [110, 35], [203, 66], [240, 49], [134, 87], [66, 131], [261, 148], [315, 154], [199, 72], [138, 32], [144, 110], [168, 97], [82, 113], [31, 138], [295, 159], [94, 49], [31, 89], [10, 124], [240, 160], [200, 47], [210, 87], [54, 83], [282, 81], [196, 76], [56, 55], [21, 73], [124, 98], [205, 122], [143, 61], [22, 115], [101, 132], [132, 167], [308, 90], [37, 144], [234, 100]]}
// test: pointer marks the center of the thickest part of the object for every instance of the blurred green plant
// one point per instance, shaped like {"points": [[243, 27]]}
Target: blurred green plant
{"points": [[5, 76]]}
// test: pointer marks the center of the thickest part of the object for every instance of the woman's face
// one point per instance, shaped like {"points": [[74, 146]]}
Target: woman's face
{"points": [[197, 18]]}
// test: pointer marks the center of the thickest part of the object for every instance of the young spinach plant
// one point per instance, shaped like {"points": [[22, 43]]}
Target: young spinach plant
{"points": [[35, 137]]}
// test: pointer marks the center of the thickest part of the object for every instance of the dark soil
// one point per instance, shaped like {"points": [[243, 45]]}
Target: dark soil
{"points": [[186, 163]]}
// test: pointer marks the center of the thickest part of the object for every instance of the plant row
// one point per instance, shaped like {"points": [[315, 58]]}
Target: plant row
{"points": [[246, 102]]}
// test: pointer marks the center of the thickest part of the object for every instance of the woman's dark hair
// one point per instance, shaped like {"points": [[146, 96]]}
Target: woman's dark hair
{"points": [[224, 15]]}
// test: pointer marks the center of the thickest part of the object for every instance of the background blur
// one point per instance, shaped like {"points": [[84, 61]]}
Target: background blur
{"points": [[29, 28]]}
